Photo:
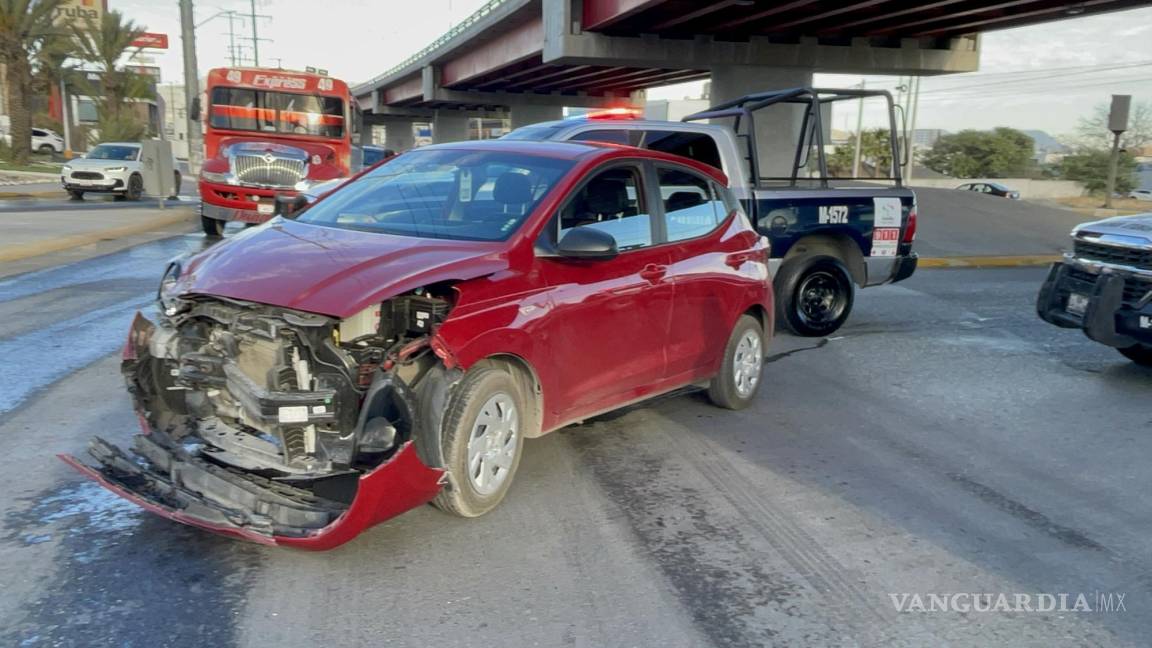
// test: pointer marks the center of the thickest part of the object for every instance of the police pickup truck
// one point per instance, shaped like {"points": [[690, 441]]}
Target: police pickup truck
{"points": [[828, 234], [1104, 285]]}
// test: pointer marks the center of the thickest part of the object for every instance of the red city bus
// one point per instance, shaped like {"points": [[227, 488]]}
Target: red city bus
{"points": [[269, 131]]}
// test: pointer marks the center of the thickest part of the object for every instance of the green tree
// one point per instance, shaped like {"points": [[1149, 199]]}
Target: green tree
{"points": [[875, 156], [25, 25], [102, 45], [1093, 130], [1090, 167], [999, 153]]}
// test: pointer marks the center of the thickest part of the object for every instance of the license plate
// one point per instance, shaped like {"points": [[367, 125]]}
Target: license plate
{"points": [[1077, 304], [1145, 322], [265, 209]]}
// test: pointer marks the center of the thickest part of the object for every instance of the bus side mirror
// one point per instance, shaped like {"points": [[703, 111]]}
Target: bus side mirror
{"points": [[194, 109]]}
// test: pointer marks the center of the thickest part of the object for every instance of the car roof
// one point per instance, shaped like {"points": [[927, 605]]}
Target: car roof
{"points": [[568, 150]]}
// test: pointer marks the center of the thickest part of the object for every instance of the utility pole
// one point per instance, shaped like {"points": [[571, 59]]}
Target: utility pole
{"points": [[1117, 123], [859, 135], [255, 36], [191, 86], [912, 130], [232, 37]]}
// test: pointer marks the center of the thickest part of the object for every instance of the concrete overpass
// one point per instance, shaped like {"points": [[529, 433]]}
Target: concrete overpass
{"points": [[530, 58]]}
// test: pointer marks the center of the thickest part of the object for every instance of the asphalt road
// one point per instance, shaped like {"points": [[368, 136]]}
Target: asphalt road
{"points": [[946, 441]]}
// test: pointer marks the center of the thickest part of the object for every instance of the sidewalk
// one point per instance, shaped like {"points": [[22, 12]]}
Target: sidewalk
{"points": [[24, 235]]}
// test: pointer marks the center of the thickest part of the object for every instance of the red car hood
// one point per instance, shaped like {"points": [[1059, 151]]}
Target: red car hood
{"points": [[329, 270]]}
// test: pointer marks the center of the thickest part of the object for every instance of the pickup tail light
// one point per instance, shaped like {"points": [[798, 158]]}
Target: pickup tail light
{"points": [[910, 230]]}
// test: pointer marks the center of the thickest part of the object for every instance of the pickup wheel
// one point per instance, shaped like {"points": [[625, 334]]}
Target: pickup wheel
{"points": [[736, 385], [814, 295], [1141, 354], [481, 441]]}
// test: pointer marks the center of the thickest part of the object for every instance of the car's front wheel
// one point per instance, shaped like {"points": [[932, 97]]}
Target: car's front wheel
{"points": [[176, 190], [212, 227], [739, 379], [1141, 354], [135, 187], [76, 195], [47, 149], [481, 441]]}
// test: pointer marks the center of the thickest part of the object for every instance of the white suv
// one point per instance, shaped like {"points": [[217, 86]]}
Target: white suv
{"points": [[46, 141], [111, 167]]}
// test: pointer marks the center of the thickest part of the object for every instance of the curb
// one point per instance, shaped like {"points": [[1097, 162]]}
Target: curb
{"points": [[20, 252], [989, 261]]}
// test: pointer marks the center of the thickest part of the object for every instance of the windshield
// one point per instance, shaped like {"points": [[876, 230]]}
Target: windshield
{"points": [[276, 112], [113, 152], [447, 194]]}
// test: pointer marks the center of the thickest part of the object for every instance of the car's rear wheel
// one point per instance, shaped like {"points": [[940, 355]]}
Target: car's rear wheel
{"points": [[481, 441], [739, 379], [76, 195], [1141, 354], [814, 295], [176, 188]]}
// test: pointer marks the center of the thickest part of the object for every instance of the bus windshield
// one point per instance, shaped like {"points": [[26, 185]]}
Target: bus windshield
{"points": [[276, 112]]}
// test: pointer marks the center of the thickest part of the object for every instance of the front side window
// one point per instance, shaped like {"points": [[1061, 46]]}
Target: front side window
{"points": [[276, 112], [612, 201], [691, 206], [113, 152], [445, 194]]}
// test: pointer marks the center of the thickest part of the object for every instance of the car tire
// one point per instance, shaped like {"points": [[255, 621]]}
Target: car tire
{"points": [[739, 379], [814, 295], [1141, 354], [47, 149], [212, 228], [135, 187], [176, 191], [76, 195], [481, 440]]}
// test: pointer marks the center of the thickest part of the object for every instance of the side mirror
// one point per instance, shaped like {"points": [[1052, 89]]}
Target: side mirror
{"points": [[288, 205], [587, 243], [194, 109]]}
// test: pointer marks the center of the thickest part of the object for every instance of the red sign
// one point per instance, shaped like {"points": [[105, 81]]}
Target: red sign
{"points": [[151, 41]]}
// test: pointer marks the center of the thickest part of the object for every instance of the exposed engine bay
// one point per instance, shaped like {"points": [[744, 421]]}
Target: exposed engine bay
{"points": [[266, 419]]}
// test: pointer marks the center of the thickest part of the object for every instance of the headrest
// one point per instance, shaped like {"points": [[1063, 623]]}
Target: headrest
{"points": [[606, 196], [512, 189], [683, 200]]}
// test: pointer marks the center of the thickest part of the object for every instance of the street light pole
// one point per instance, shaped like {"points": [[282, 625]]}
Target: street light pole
{"points": [[191, 86]]}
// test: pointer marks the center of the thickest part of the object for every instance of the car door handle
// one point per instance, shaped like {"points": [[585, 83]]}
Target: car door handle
{"points": [[653, 273]]}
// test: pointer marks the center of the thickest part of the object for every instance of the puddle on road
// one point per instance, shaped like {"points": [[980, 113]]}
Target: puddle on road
{"points": [[125, 577]]}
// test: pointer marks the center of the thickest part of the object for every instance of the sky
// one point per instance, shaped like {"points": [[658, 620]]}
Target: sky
{"points": [[1043, 77]]}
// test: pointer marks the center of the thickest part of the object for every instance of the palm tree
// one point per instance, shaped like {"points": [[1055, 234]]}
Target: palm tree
{"points": [[102, 44], [24, 27]]}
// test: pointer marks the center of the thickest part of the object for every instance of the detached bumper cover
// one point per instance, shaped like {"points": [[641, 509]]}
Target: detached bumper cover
{"points": [[1110, 317]]}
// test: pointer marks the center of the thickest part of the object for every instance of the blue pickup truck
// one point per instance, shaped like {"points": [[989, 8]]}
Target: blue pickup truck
{"points": [[829, 233]]}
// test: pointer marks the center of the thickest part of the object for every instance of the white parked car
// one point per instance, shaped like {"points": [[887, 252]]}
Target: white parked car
{"points": [[47, 141], [1141, 194], [111, 167]]}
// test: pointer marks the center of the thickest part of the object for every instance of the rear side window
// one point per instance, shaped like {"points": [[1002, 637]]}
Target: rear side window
{"points": [[692, 207], [608, 136], [697, 146]]}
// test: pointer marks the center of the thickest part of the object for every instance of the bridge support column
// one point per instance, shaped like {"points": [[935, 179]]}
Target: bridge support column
{"points": [[449, 126], [398, 135], [777, 127], [524, 114]]}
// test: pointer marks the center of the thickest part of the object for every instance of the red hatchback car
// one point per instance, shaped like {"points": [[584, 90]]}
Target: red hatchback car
{"points": [[396, 342]]}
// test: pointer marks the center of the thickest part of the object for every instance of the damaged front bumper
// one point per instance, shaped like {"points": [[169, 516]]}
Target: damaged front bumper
{"points": [[177, 469], [1112, 308]]}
